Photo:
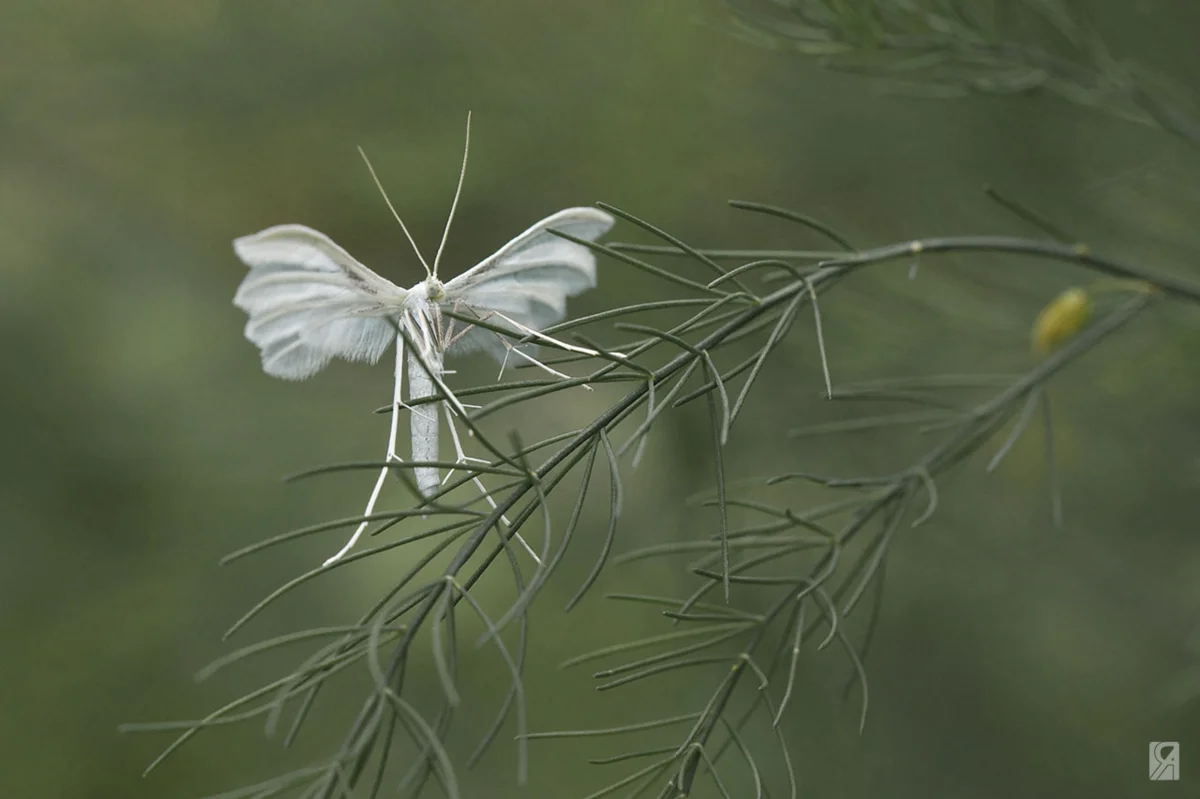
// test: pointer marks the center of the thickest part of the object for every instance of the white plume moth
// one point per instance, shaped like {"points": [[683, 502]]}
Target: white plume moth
{"points": [[309, 301]]}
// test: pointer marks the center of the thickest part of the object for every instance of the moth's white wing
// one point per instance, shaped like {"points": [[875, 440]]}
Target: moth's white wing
{"points": [[528, 280], [309, 301]]}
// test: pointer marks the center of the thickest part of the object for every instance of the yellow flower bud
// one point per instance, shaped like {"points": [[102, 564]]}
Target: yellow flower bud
{"points": [[1060, 320]]}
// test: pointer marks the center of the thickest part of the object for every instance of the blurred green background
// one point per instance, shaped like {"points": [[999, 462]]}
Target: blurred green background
{"points": [[142, 441]]}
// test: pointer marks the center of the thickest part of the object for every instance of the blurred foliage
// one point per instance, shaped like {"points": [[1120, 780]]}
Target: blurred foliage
{"points": [[953, 47], [139, 138]]}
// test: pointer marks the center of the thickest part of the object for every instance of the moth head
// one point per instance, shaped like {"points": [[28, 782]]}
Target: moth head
{"points": [[435, 290]]}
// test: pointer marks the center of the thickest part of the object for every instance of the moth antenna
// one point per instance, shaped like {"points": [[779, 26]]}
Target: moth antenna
{"points": [[392, 208], [458, 191]]}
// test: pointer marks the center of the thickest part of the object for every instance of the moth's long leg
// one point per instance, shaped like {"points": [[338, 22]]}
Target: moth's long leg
{"points": [[460, 455], [391, 452], [538, 363], [462, 458], [537, 334], [452, 337]]}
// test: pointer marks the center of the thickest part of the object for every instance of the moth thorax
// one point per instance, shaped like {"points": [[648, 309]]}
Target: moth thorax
{"points": [[424, 323]]}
